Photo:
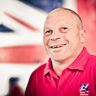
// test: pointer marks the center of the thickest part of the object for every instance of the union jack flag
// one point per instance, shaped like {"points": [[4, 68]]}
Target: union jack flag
{"points": [[84, 90]]}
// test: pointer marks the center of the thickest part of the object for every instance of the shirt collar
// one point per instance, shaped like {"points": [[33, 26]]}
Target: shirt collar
{"points": [[49, 69], [80, 62], [77, 64]]}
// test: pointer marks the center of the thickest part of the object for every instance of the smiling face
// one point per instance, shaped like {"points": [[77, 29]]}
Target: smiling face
{"points": [[63, 35]]}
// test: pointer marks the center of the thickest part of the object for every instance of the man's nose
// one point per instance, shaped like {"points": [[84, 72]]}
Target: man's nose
{"points": [[55, 36]]}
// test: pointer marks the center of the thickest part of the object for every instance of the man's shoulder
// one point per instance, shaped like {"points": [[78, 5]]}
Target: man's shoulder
{"points": [[93, 58], [39, 70], [92, 61]]}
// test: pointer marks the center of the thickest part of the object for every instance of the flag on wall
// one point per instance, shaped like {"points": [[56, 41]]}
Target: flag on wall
{"points": [[21, 33]]}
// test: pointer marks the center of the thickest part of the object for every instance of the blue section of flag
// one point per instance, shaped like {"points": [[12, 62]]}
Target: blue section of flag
{"points": [[5, 29], [46, 5]]}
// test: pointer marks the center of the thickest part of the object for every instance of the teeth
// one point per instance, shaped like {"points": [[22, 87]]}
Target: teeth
{"points": [[57, 46]]}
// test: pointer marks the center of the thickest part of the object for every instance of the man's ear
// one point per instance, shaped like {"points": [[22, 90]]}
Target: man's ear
{"points": [[82, 35]]}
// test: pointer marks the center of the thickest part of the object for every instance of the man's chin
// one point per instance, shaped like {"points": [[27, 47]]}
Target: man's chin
{"points": [[58, 58]]}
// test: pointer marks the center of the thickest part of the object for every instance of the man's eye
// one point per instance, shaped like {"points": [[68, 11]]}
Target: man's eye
{"points": [[48, 32], [64, 29]]}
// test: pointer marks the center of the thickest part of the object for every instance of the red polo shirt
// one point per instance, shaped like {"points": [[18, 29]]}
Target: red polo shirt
{"points": [[79, 79]]}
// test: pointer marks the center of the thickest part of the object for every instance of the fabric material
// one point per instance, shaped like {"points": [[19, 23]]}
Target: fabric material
{"points": [[78, 79]]}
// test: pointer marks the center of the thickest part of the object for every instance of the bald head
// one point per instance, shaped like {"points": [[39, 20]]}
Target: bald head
{"points": [[69, 13]]}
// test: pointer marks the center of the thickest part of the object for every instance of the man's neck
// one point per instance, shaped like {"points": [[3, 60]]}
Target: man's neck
{"points": [[59, 66]]}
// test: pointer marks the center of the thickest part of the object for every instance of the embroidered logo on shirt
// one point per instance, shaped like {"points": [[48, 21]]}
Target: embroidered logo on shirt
{"points": [[84, 89]]}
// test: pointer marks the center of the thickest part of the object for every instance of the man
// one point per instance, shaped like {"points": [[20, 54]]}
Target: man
{"points": [[70, 70]]}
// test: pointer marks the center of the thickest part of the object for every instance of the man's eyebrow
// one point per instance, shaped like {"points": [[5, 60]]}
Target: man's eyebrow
{"points": [[46, 28]]}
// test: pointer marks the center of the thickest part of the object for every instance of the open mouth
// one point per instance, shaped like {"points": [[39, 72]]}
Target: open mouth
{"points": [[57, 46]]}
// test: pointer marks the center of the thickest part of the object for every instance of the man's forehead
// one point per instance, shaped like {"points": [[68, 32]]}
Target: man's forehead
{"points": [[59, 11], [63, 14], [60, 15]]}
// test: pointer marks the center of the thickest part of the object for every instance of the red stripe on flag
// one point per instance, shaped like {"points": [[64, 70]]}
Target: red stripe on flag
{"points": [[23, 54], [23, 23]]}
